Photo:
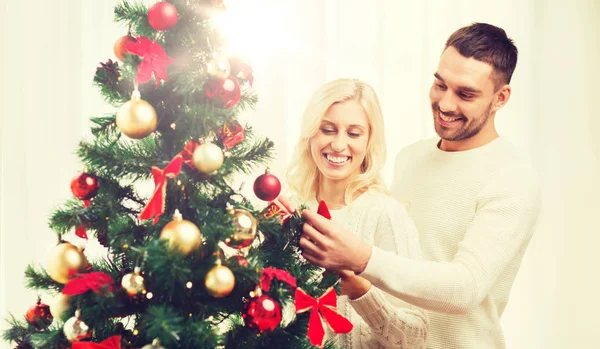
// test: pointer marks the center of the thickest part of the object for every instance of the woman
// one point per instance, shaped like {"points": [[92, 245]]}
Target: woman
{"points": [[339, 159]]}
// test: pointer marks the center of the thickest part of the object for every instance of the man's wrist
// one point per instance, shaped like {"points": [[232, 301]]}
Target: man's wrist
{"points": [[362, 257]]}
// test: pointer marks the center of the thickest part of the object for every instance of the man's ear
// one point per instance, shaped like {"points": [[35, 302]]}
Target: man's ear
{"points": [[501, 97]]}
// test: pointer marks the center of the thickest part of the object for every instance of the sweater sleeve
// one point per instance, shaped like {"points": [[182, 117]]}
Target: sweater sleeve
{"points": [[393, 323], [505, 217]]}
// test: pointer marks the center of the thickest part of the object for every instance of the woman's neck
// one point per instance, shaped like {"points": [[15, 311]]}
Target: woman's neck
{"points": [[332, 192]]}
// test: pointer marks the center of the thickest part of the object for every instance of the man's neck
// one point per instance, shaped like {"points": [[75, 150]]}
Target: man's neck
{"points": [[469, 143]]}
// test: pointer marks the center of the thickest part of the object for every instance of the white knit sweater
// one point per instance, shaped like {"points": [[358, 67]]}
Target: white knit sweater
{"points": [[475, 211], [381, 320]]}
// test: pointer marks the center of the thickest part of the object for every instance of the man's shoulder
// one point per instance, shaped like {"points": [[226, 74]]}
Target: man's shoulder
{"points": [[418, 148]]}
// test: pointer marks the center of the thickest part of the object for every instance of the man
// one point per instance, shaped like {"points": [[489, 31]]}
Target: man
{"points": [[474, 200]]}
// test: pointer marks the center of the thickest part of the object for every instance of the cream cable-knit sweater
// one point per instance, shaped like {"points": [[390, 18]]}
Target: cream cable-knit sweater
{"points": [[381, 320], [475, 212]]}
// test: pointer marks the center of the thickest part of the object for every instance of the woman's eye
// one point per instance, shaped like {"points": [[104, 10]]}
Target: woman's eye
{"points": [[327, 131]]}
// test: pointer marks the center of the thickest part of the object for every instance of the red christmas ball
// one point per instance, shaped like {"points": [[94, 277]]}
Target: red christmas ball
{"points": [[267, 187], [85, 186], [162, 16], [39, 315], [119, 47], [262, 313], [226, 92]]}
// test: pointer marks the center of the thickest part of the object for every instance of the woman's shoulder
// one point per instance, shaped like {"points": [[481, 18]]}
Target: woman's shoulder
{"points": [[380, 203]]}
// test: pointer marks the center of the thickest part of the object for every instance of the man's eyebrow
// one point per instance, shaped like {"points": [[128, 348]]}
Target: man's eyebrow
{"points": [[460, 88]]}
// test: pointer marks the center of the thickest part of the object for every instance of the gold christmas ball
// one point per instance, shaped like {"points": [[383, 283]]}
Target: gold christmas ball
{"points": [[137, 118], [75, 329], [133, 283], [60, 304], [183, 235], [66, 261], [218, 67], [208, 158], [155, 345], [219, 281], [245, 226]]}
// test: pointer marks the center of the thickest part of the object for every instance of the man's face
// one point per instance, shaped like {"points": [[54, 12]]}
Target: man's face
{"points": [[462, 99]]}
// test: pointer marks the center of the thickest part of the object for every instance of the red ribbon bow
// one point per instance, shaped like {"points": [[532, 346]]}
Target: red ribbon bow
{"points": [[113, 342], [270, 273], [94, 281], [324, 306], [154, 60], [156, 205], [188, 153]]}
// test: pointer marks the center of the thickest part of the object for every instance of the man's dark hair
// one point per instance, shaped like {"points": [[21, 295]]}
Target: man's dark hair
{"points": [[489, 44]]}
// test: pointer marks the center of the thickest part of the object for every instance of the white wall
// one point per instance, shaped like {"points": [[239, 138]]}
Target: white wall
{"points": [[50, 54]]}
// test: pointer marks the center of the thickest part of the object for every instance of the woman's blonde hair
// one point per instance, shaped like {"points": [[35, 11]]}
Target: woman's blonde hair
{"points": [[303, 176]]}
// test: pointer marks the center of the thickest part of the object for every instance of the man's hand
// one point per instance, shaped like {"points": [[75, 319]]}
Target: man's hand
{"points": [[331, 246]]}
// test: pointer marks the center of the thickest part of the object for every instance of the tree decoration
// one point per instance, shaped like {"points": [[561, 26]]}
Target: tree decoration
{"points": [[75, 329], [39, 315], [183, 235], [156, 205], [208, 157], [136, 118], [113, 342], [162, 16], [154, 60], [245, 228], [120, 46], [322, 308], [231, 134], [267, 186], [66, 261], [219, 281], [226, 92], [261, 312], [97, 282], [133, 283], [155, 345], [218, 67], [84, 186]]}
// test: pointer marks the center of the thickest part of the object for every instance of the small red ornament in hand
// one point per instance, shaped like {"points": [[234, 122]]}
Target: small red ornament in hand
{"points": [[267, 187], [39, 315], [323, 210], [162, 16], [262, 313], [85, 186], [226, 91]]}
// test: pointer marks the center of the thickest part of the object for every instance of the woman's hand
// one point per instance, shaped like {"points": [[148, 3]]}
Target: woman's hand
{"points": [[353, 286]]}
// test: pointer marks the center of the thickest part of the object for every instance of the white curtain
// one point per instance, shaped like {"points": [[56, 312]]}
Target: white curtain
{"points": [[50, 50]]}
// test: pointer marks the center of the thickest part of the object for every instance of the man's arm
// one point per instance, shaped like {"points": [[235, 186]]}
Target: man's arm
{"points": [[506, 215]]}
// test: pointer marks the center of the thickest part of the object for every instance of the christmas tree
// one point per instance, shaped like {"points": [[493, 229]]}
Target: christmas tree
{"points": [[196, 264]]}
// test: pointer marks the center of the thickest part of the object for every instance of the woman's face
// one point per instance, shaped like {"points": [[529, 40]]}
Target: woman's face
{"points": [[340, 146]]}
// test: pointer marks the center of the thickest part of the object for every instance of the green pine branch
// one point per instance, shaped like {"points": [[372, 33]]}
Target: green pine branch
{"points": [[38, 279], [135, 15], [112, 158]]}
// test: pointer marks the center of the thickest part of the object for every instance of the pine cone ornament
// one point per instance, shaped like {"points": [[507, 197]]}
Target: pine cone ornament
{"points": [[24, 345], [108, 73]]}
